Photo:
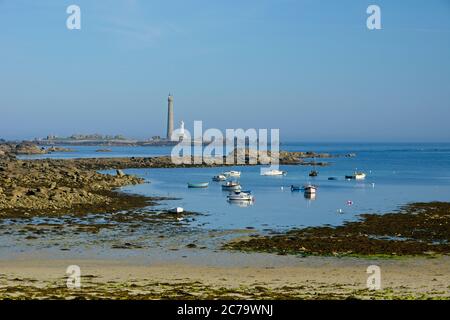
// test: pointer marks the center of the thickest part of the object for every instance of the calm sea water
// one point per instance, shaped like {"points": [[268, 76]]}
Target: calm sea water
{"points": [[396, 174]]}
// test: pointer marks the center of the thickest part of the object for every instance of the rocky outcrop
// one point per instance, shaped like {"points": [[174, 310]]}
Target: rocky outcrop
{"points": [[289, 158], [252, 156], [20, 149], [28, 148], [59, 149], [43, 187]]}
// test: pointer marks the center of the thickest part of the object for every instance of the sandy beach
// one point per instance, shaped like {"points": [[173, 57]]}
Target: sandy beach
{"points": [[249, 276]]}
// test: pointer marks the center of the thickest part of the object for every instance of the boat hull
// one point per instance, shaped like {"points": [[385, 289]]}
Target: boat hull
{"points": [[198, 185], [357, 176], [231, 188], [274, 173], [240, 196]]}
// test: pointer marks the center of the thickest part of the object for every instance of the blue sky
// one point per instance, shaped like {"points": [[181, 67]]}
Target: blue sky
{"points": [[308, 67]]}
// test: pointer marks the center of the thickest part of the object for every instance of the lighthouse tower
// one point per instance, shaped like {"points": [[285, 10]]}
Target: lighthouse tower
{"points": [[169, 117]]}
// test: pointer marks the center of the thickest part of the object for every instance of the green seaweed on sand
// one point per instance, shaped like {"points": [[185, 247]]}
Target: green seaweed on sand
{"points": [[195, 290], [416, 229]]}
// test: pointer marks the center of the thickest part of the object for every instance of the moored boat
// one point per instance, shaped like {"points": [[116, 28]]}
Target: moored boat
{"points": [[310, 189], [313, 173], [274, 172], [198, 184], [219, 177], [176, 210], [232, 173], [231, 186], [356, 176], [240, 196]]}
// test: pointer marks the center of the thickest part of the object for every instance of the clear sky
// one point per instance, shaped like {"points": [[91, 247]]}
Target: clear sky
{"points": [[308, 67]]}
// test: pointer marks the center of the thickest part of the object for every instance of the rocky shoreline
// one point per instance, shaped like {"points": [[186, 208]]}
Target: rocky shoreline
{"points": [[27, 148], [44, 188]]}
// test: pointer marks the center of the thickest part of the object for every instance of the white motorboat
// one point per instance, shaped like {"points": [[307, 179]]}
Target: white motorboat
{"points": [[232, 173], [240, 196], [357, 176], [360, 176], [231, 186], [176, 210], [274, 172], [219, 177]]}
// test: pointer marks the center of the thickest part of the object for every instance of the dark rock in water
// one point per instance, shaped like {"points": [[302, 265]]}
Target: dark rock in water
{"points": [[24, 148], [120, 173], [29, 148], [191, 245], [59, 149]]}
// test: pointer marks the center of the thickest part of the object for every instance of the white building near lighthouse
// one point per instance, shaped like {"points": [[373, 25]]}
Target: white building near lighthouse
{"points": [[181, 135]]}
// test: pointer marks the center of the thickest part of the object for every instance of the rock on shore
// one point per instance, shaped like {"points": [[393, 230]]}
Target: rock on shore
{"points": [[42, 187], [58, 149], [20, 149]]}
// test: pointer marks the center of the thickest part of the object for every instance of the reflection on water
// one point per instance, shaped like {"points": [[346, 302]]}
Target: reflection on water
{"points": [[241, 203], [310, 196]]}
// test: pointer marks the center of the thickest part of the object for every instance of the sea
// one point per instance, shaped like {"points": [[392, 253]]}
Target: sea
{"points": [[397, 174]]}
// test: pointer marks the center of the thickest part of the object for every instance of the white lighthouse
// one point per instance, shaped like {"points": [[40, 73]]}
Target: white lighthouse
{"points": [[181, 133]]}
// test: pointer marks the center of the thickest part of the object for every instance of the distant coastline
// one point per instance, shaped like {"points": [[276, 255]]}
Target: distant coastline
{"points": [[113, 142]]}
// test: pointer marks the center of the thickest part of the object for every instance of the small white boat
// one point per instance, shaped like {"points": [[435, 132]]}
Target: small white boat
{"points": [[219, 177], [240, 196], [274, 173], [231, 186], [176, 210], [232, 173], [357, 176], [360, 176]]}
